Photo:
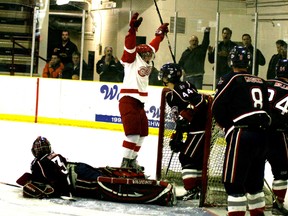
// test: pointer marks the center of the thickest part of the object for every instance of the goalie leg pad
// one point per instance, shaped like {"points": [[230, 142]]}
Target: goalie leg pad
{"points": [[136, 191], [122, 172], [87, 188], [37, 190]]}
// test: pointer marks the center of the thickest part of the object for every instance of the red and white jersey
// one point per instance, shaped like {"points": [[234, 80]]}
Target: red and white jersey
{"points": [[136, 79], [136, 70]]}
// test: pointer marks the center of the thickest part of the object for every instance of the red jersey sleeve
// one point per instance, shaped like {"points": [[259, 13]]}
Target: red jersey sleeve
{"points": [[129, 53], [156, 42]]}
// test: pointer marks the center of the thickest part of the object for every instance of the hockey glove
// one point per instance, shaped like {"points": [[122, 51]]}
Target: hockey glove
{"points": [[182, 124], [162, 30], [176, 142], [134, 22], [37, 190]]}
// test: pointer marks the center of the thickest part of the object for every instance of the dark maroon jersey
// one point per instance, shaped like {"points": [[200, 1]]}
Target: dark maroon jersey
{"points": [[278, 99], [241, 100]]}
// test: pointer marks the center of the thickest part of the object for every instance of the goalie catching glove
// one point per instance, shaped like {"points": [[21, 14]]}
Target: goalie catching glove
{"points": [[176, 142], [134, 22], [37, 190]]}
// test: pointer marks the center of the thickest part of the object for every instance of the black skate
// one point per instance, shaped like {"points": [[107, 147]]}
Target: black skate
{"points": [[190, 195], [125, 163], [279, 209], [134, 164]]}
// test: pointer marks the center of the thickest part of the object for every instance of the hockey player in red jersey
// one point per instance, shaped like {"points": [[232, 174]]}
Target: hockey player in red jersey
{"points": [[278, 148], [137, 61], [241, 108], [53, 176], [190, 113]]}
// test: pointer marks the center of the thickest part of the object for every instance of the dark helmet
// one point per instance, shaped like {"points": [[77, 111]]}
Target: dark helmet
{"points": [[41, 146], [282, 68], [240, 57], [144, 50], [171, 71]]}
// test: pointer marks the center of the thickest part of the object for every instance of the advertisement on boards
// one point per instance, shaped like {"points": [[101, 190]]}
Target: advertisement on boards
{"points": [[108, 99]]}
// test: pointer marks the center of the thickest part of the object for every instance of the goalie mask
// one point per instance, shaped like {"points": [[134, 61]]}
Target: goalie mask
{"points": [[170, 72], [41, 146], [240, 57], [144, 51], [282, 68]]}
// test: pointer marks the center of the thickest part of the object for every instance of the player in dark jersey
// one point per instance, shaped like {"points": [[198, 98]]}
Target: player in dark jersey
{"points": [[278, 148], [241, 108], [190, 110], [53, 176]]}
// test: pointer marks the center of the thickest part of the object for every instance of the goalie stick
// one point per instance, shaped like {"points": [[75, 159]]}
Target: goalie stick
{"points": [[9, 184], [161, 21], [69, 198]]}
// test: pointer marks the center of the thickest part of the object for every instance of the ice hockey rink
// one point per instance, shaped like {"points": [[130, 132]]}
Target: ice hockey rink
{"points": [[92, 146]]}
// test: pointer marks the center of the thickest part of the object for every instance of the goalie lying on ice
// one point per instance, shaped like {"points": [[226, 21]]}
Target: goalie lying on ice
{"points": [[53, 176]]}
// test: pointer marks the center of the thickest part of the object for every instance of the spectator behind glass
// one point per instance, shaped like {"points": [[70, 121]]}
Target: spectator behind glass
{"points": [[281, 47], [260, 59], [54, 68], [109, 67], [72, 70], [65, 48], [224, 48], [193, 59]]}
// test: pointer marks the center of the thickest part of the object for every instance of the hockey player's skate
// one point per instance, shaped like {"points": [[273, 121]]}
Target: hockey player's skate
{"points": [[134, 164], [125, 163], [279, 209], [190, 195]]}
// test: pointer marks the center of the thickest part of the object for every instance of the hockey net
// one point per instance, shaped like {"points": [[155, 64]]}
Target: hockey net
{"points": [[212, 192]]}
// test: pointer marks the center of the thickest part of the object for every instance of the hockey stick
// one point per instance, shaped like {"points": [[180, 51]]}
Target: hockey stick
{"points": [[172, 154], [161, 20], [273, 195], [9, 184], [70, 198]]}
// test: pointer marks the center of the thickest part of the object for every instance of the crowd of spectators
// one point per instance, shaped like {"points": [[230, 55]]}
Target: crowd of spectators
{"points": [[64, 62]]}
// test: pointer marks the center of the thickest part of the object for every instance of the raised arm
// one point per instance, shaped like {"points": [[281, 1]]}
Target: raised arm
{"points": [[129, 53], [159, 36]]}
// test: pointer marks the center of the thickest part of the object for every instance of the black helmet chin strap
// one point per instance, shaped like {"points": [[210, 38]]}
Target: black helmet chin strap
{"points": [[165, 83]]}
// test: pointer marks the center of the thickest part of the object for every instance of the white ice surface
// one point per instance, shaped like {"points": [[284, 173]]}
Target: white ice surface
{"points": [[92, 146]]}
